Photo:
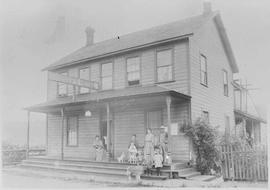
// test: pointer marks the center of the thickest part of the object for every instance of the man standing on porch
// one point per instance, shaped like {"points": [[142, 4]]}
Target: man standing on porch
{"points": [[98, 146]]}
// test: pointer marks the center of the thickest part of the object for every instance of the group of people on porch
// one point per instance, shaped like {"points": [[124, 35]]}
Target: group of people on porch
{"points": [[154, 149]]}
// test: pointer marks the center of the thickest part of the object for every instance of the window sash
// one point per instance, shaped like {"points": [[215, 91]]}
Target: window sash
{"points": [[133, 71], [133, 64], [164, 73], [164, 58], [203, 69]]}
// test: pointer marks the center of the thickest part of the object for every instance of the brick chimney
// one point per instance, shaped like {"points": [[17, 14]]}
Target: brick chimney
{"points": [[89, 35], [207, 7]]}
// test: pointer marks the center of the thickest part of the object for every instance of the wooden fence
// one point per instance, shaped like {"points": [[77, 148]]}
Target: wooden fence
{"points": [[10, 157], [244, 163]]}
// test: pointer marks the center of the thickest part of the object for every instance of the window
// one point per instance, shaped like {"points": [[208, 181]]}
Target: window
{"points": [[84, 74], [203, 68], [72, 131], [225, 83], [106, 76], [62, 87], [133, 71], [205, 116], [164, 65]]}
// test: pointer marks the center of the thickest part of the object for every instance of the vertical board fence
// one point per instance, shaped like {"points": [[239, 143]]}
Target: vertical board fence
{"points": [[244, 163]]}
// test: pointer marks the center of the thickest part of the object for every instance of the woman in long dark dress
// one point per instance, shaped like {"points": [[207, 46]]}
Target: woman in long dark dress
{"points": [[149, 149]]}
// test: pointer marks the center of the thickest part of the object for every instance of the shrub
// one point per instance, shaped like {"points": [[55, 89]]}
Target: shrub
{"points": [[204, 139]]}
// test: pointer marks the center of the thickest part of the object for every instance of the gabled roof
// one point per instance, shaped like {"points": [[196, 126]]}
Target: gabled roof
{"points": [[144, 38]]}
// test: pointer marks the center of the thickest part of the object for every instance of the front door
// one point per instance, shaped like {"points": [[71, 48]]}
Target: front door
{"points": [[104, 134], [154, 122]]}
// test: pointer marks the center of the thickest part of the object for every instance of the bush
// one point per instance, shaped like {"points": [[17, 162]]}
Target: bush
{"points": [[204, 139]]}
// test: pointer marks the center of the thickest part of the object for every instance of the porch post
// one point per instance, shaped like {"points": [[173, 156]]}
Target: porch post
{"points": [[108, 131], [28, 134], [62, 134], [168, 102]]}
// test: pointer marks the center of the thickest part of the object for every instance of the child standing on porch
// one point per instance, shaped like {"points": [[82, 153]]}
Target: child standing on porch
{"points": [[158, 159]]}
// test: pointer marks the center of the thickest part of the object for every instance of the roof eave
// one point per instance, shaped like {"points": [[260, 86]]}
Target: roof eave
{"points": [[226, 43], [49, 68]]}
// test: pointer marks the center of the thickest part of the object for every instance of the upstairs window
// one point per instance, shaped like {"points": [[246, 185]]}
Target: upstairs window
{"points": [[225, 83], [84, 74], [106, 76], [72, 131], [133, 71], [164, 65], [62, 87], [203, 70], [205, 116]]}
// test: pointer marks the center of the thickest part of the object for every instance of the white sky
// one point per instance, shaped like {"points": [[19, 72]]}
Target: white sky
{"points": [[26, 26]]}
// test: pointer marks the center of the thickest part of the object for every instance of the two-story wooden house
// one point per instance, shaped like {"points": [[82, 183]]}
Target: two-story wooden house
{"points": [[156, 77]]}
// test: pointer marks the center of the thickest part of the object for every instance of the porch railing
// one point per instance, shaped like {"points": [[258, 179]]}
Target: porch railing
{"points": [[10, 157], [244, 162]]}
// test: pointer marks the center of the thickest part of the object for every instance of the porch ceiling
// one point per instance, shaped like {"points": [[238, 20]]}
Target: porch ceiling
{"points": [[107, 96]]}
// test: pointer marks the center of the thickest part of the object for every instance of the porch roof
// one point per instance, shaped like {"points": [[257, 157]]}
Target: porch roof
{"points": [[249, 116], [106, 96]]}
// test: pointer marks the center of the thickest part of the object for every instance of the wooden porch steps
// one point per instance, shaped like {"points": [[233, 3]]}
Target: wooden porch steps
{"points": [[177, 170]]}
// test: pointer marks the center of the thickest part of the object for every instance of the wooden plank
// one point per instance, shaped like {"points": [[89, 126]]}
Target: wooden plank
{"points": [[73, 81]]}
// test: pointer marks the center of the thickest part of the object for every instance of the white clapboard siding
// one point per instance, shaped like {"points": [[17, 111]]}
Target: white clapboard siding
{"points": [[148, 69], [207, 42]]}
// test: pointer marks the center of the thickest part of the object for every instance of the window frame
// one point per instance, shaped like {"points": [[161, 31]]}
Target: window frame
{"points": [[77, 131], [206, 70], [208, 116], [171, 48], [140, 70], [89, 72], [112, 75], [225, 93], [59, 83]]}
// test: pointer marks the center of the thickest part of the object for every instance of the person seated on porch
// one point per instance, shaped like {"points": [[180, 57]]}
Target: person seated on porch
{"points": [[134, 141], [132, 150], [99, 148]]}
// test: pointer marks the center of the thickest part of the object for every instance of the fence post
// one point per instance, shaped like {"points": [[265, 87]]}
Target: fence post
{"points": [[232, 161]]}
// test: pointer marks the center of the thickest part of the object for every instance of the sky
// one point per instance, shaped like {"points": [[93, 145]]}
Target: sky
{"points": [[35, 33]]}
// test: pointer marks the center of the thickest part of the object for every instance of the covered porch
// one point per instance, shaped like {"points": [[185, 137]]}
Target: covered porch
{"points": [[248, 125], [115, 116]]}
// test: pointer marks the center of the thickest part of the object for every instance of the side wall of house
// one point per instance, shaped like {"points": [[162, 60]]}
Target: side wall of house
{"points": [[206, 41]]}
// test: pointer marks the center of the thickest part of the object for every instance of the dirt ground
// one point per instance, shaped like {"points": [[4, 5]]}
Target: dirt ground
{"points": [[11, 180]]}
